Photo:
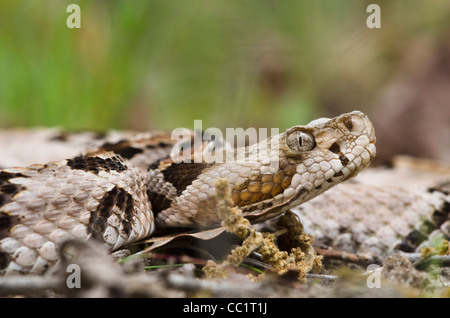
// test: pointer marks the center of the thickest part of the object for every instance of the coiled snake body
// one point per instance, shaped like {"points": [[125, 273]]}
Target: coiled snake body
{"points": [[122, 191]]}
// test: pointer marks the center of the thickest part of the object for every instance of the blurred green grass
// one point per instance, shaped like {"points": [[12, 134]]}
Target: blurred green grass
{"points": [[162, 64]]}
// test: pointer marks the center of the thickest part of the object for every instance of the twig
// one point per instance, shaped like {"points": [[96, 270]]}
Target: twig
{"points": [[28, 285], [327, 278], [347, 257], [217, 288]]}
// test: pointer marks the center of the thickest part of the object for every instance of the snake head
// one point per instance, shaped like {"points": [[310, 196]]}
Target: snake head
{"points": [[316, 157]]}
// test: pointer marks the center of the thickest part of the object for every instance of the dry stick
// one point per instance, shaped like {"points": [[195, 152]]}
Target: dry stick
{"points": [[217, 288], [345, 256], [28, 285], [327, 278]]}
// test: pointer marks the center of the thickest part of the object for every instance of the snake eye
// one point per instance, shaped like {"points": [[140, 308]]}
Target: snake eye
{"points": [[301, 141]]}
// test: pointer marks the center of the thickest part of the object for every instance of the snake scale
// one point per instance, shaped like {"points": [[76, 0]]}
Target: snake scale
{"points": [[123, 190]]}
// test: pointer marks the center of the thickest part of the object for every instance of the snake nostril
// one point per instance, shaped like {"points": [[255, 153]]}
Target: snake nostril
{"points": [[348, 123], [335, 148]]}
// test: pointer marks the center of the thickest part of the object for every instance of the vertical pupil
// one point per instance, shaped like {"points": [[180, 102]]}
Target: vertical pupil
{"points": [[300, 139]]}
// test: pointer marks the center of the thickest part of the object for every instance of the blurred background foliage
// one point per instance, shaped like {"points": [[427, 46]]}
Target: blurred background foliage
{"points": [[161, 64]]}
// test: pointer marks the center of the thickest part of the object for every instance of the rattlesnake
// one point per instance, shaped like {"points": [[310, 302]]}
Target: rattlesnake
{"points": [[122, 190]]}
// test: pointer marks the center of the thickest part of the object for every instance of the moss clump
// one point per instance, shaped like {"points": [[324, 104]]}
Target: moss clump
{"points": [[301, 257]]}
